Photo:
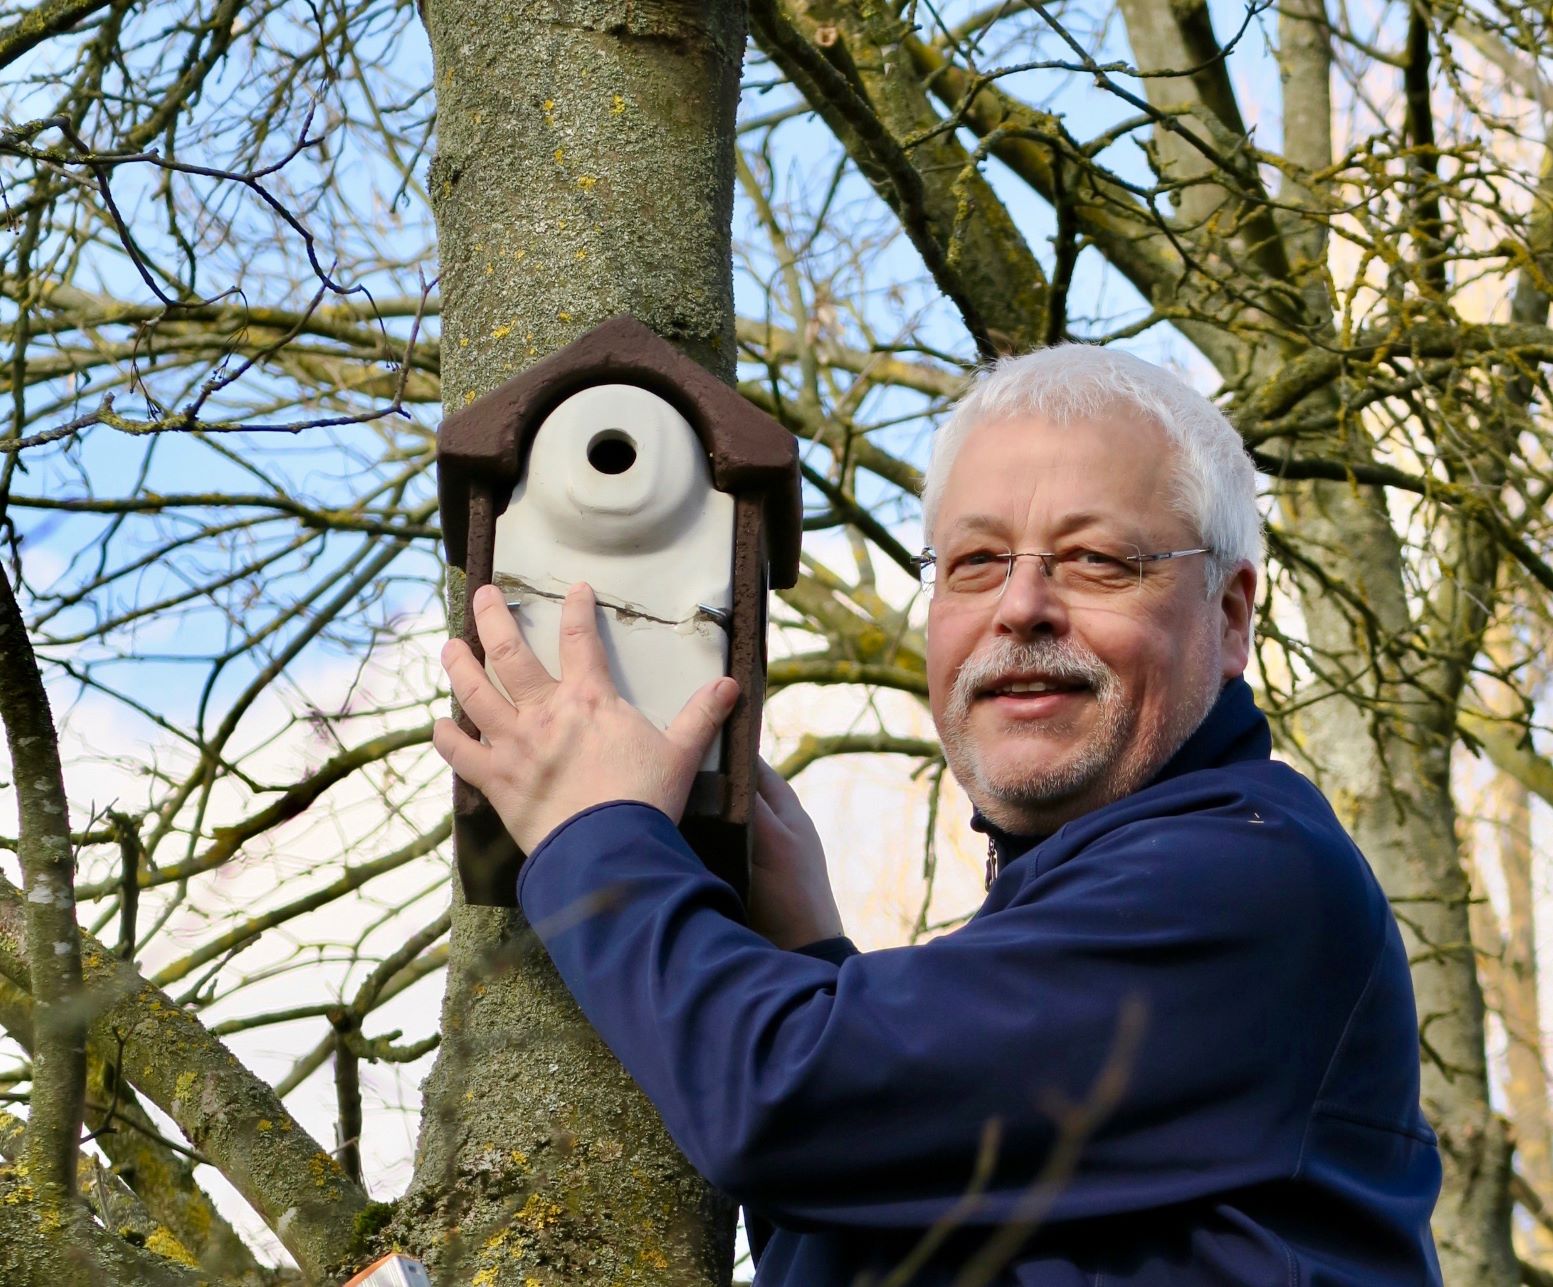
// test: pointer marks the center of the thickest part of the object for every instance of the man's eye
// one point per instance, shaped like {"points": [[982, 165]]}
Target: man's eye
{"points": [[977, 559], [1101, 569]]}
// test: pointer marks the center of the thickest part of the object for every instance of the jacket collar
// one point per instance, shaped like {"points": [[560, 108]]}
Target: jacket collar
{"points": [[1233, 730]]}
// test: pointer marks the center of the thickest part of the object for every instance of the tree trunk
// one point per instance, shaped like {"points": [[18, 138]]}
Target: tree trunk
{"points": [[1387, 776], [1507, 953], [584, 168]]}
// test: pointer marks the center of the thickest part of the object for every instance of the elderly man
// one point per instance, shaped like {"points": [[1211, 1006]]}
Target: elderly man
{"points": [[1177, 1043]]}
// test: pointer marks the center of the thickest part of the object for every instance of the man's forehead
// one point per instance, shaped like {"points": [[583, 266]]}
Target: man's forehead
{"points": [[1106, 471], [1071, 520]]}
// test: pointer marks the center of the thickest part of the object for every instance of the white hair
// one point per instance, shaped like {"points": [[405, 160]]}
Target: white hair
{"points": [[1214, 482]]}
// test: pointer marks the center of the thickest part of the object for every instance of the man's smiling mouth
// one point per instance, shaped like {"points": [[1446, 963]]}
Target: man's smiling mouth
{"points": [[1026, 687]]}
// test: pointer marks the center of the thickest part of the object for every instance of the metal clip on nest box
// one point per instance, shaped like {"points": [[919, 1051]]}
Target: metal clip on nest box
{"points": [[621, 462]]}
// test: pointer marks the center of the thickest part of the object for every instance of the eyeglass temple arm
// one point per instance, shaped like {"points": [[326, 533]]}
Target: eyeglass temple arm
{"points": [[1168, 554]]}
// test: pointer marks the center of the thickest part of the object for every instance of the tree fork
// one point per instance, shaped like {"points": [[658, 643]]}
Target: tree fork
{"points": [[163, 1180], [224, 1110]]}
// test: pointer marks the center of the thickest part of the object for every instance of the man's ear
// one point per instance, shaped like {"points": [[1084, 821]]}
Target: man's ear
{"points": [[1237, 602]]}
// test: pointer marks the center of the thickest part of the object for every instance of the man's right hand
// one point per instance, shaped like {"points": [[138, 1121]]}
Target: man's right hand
{"points": [[791, 903]]}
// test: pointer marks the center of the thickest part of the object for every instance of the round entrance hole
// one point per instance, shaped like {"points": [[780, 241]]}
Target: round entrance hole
{"points": [[612, 452]]}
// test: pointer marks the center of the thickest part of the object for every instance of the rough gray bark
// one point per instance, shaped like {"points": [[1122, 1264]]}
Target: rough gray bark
{"points": [[584, 168]]}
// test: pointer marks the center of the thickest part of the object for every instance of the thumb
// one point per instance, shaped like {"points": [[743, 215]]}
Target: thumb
{"points": [[693, 729]]}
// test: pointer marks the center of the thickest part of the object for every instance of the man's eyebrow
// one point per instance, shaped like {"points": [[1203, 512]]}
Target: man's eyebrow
{"points": [[1087, 518], [976, 523]]}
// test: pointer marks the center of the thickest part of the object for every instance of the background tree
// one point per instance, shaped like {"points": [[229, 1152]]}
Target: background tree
{"points": [[226, 357]]}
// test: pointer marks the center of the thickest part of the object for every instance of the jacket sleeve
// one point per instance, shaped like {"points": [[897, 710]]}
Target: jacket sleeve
{"points": [[1207, 965]]}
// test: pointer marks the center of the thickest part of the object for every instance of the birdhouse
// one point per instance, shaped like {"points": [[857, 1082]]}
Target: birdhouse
{"points": [[620, 462]]}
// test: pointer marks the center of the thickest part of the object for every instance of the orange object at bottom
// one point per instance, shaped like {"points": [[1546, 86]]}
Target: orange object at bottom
{"points": [[394, 1270]]}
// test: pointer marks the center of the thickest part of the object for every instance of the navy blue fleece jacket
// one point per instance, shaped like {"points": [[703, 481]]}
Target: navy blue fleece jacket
{"points": [[1176, 1046]]}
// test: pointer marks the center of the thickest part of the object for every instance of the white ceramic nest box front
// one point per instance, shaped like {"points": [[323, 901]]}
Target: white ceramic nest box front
{"points": [[618, 492]]}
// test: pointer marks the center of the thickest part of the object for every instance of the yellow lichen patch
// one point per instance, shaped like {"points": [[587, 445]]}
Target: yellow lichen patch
{"points": [[587, 182], [871, 641], [580, 255], [539, 1212], [265, 1124], [652, 1258], [617, 105], [164, 1243], [518, 1157], [322, 1168], [500, 332], [463, 341], [469, 396], [496, 1240], [559, 154], [184, 1086], [563, 316], [485, 1278]]}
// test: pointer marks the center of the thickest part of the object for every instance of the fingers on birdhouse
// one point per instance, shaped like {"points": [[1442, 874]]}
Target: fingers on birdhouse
{"points": [[583, 660], [507, 653]]}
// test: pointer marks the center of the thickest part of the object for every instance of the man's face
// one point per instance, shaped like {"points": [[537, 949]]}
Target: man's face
{"points": [[1129, 673]]}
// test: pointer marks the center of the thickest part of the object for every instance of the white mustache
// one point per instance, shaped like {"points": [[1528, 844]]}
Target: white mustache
{"points": [[1059, 659]]}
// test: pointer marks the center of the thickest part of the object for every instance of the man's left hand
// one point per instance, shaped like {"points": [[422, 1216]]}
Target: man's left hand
{"points": [[559, 746]]}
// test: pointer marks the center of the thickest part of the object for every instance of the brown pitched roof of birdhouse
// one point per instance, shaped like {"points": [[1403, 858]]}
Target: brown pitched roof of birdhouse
{"points": [[486, 443]]}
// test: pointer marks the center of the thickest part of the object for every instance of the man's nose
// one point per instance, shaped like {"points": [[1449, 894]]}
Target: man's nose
{"points": [[1030, 604]]}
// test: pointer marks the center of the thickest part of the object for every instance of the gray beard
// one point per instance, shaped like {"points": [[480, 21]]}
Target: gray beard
{"points": [[1105, 767]]}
